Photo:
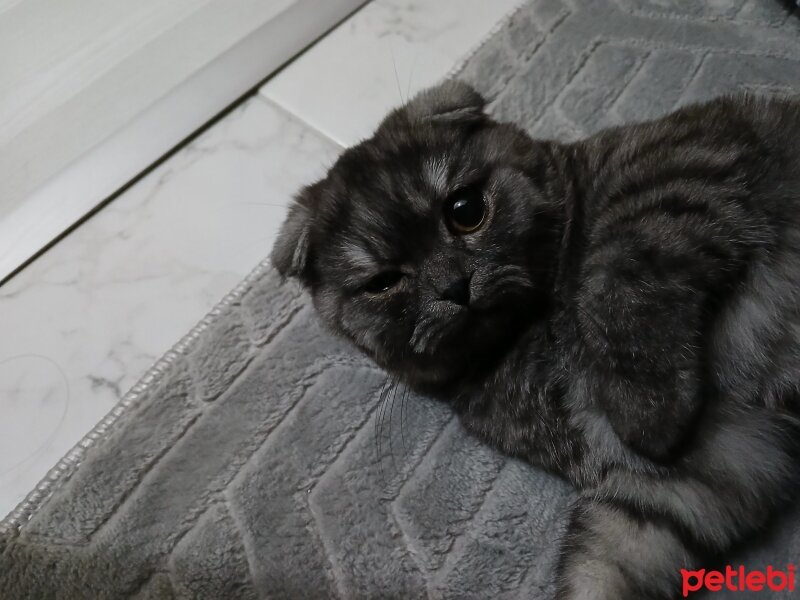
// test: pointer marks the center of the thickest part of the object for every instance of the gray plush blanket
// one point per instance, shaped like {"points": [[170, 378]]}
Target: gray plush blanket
{"points": [[256, 459]]}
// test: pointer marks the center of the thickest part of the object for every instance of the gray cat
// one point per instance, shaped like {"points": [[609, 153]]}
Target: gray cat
{"points": [[624, 310]]}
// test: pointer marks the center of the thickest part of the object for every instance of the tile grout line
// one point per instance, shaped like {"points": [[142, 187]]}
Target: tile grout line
{"points": [[287, 112], [452, 72]]}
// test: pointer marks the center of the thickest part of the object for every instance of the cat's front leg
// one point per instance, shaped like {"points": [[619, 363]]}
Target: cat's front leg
{"points": [[641, 312], [643, 370]]}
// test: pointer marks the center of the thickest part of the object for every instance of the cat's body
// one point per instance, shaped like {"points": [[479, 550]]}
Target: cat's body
{"points": [[726, 212], [624, 310]]}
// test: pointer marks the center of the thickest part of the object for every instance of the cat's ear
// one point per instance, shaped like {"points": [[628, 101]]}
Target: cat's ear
{"points": [[291, 250], [450, 102]]}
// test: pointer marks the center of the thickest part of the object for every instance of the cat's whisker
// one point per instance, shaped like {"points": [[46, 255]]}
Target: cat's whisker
{"points": [[376, 436], [266, 204], [391, 436], [404, 416], [410, 73], [397, 79], [388, 386], [403, 407]]}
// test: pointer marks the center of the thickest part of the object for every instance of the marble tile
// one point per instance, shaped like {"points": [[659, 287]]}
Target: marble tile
{"points": [[345, 83], [82, 323]]}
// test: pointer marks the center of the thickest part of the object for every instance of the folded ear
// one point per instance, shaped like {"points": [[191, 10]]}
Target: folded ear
{"points": [[451, 101], [291, 250]]}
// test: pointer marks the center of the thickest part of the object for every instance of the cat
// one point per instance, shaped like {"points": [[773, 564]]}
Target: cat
{"points": [[623, 311]]}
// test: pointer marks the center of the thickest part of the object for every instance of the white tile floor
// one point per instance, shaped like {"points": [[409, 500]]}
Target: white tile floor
{"points": [[82, 323]]}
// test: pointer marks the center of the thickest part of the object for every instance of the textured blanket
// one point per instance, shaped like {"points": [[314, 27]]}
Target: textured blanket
{"points": [[257, 459]]}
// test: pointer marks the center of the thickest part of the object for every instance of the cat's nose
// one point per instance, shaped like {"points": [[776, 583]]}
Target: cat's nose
{"points": [[457, 291]]}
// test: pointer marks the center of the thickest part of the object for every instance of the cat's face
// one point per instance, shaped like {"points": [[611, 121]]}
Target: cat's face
{"points": [[424, 244]]}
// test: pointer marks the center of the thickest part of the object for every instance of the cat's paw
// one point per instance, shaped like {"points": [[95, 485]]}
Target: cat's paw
{"points": [[593, 580]]}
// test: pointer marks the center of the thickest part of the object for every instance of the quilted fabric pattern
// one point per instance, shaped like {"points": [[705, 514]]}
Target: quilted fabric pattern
{"points": [[262, 458]]}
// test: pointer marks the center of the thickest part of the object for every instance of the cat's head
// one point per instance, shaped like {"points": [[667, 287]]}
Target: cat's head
{"points": [[430, 244]]}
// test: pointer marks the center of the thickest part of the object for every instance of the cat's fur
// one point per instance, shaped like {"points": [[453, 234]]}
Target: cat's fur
{"points": [[633, 319]]}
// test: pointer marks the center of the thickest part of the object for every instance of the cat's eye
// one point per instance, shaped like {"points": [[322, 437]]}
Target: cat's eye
{"points": [[383, 282], [465, 212]]}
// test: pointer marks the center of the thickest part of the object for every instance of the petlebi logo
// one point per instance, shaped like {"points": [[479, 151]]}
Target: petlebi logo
{"points": [[739, 580]]}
